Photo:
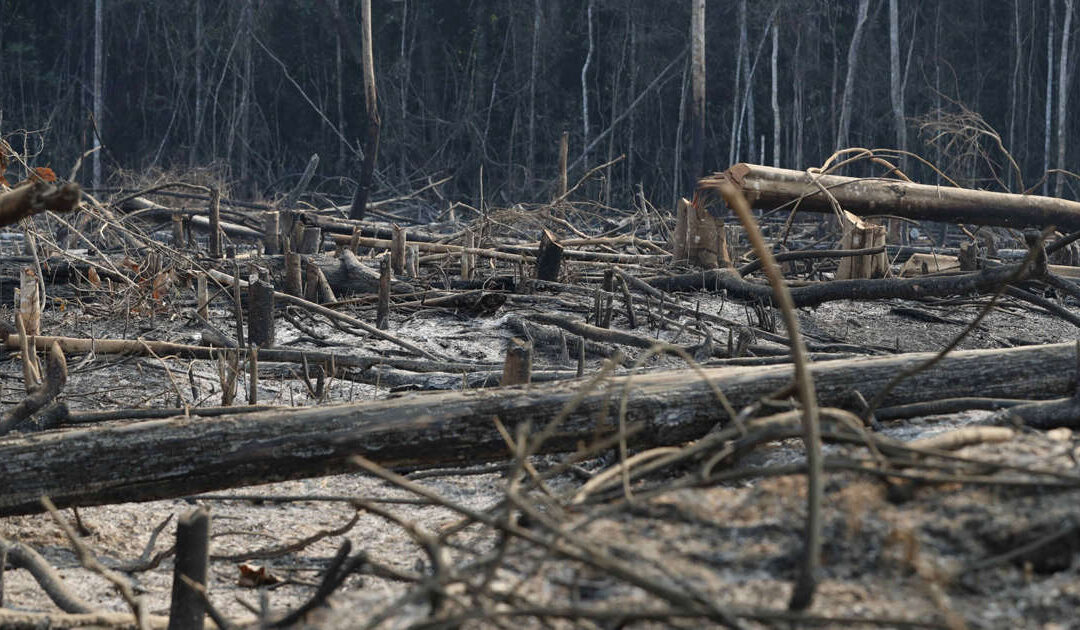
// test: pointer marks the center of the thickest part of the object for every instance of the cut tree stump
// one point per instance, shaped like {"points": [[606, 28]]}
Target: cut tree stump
{"points": [[549, 258], [859, 234], [699, 238], [181, 456]]}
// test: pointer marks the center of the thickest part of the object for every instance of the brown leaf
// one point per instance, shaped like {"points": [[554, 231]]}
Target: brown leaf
{"points": [[253, 576], [45, 173]]}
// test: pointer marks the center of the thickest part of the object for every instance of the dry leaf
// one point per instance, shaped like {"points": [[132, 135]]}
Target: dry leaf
{"points": [[253, 576], [162, 282], [45, 173]]}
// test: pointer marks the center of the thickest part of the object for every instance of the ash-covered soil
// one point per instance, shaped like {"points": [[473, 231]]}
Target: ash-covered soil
{"points": [[893, 551]]}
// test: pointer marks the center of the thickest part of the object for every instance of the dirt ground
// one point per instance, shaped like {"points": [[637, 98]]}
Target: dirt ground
{"points": [[892, 552]]}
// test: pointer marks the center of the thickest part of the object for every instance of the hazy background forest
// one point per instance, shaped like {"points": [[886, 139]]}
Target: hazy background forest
{"points": [[483, 90]]}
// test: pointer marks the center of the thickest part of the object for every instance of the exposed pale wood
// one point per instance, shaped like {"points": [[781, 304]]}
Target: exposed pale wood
{"points": [[29, 305], [202, 297], [766, 188], [922, 264], [183, 456], [706, 245], [397, 250], [468, 260], [294, 277], [350, 275], [678, 244], [517, 369], [859, 234]]}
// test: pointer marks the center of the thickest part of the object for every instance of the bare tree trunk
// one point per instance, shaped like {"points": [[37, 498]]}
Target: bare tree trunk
{"points": [[404, 87], [797, 114], [99, 88], [1063, 96], [248, 18], [199, 52], [534, 62], [631, 92], [748, 105], [1014, 83], [776, 94], [834, 94], [340, 76], [736, 113], [849, 82], [617, 78], [585, 84], [697, 118], [896, 91], [937, 84], [2, 22], [1049, 94], [677, 157], [371, 101]]}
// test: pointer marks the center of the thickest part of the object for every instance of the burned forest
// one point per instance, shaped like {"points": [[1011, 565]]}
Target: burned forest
{"points": [[539, 314]]}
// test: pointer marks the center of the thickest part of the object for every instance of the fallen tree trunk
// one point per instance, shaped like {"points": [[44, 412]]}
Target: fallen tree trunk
{"points": [[147, 347], [766, 188], [30, 199], [168, 458], [981, 282]]}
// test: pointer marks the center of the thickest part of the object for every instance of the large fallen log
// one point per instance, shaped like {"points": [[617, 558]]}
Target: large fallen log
{"points": [[29, 199], [168, 458], [980, 282], [147, 347], [766, 188]]}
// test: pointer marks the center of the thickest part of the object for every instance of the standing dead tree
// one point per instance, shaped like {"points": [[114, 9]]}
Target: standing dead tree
{"points": [[371, 101]]}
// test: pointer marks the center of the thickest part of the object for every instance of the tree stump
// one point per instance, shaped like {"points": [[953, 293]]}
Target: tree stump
{"points": [[549, 259], [859, 234]]}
